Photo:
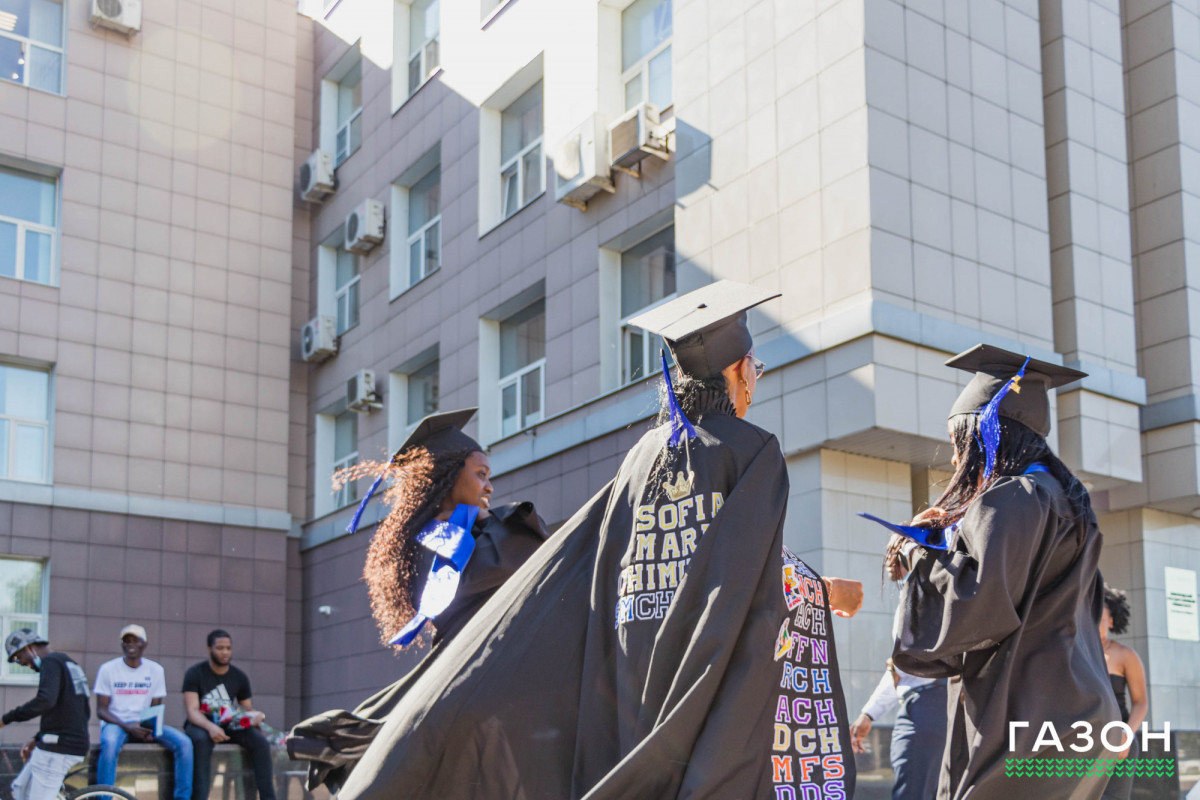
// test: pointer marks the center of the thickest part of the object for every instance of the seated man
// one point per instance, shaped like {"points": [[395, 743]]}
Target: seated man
{"points": [[125, 688], [216, 695]]}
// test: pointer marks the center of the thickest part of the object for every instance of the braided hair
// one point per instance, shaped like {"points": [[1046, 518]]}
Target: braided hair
{"points": [[419, 484]]}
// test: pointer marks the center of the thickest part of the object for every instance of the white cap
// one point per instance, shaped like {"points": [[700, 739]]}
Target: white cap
{"points": [[136, 630]]}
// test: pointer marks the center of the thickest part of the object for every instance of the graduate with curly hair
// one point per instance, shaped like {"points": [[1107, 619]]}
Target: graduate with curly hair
{"points": [[440, 553], [1126, 671]]}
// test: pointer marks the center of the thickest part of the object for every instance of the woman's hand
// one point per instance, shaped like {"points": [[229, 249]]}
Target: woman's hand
{"points": [[893, 561], [858, 731], [932, 514], [845, 596]]}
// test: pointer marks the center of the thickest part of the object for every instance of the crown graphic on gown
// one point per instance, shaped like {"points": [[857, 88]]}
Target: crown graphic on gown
{"points": [[681, 488]]}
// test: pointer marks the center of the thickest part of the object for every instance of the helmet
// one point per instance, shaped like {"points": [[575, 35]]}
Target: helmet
{"points": [[20, 639]]}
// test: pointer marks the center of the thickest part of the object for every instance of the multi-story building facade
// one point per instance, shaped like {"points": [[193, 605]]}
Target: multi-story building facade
{"points": [[146, 219], [913, 177]]}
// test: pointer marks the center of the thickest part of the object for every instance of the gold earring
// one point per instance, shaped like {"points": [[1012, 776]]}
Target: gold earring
{"points": [[749, 402]]}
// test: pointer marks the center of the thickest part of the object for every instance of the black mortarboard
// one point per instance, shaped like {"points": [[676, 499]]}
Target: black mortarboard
{"points": [[706, 329], [442, 433], [1028, 403]]}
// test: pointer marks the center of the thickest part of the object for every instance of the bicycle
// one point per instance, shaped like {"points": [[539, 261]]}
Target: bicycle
{"points": [[95, 791]]}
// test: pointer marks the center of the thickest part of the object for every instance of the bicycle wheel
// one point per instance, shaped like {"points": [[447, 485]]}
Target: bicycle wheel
{"points": [[99, 791]]}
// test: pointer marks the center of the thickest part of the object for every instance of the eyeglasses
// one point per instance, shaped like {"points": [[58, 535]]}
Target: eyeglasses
{"points": [[759, 368]]}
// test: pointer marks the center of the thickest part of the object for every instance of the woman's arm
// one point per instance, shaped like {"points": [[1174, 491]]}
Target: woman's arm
{"points": [[1135, 679]]}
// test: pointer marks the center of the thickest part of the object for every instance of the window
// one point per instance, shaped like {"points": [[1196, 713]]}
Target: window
{"points": [[28, 215], [521, 178], [647, 279], [422, 393], [646, 53], [522, 367], [349, 114], [424, 226], [346, 280], [423, 28], [22, 605], [24, 424], [31, 43], [345, 454]]}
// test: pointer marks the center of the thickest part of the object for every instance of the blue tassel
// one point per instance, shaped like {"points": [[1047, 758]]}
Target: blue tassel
{"points": [[989, 421], [353, 527], [927, 537], [679, 423]]}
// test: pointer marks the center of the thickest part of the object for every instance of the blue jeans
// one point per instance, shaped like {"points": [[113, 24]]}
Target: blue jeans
{"points": [[112, 739]]}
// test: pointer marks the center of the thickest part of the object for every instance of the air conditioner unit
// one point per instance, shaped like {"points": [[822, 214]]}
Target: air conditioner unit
{"points": [[360, 392], [581, 164], [317, 180], [364, 227], [124, 16], [637, 135], [318, 339]]}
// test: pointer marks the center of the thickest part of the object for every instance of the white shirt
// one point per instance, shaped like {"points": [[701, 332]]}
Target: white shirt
{"points": [[889, 693], [130, 690]]}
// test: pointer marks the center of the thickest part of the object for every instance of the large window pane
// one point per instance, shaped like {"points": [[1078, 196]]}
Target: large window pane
{"points": [[8, 249], [423, 23], [644, 25], [24, 393], [45, 69], [648, 272], [345, 435], [349, 94], [12, 61], [660, 79], [4, 425], [46, 22], [347, 267], [521, 123], [422, 392], [27, 196], [29, 463], [523, 338], [37, 256], [20, 587], [424, 200]]}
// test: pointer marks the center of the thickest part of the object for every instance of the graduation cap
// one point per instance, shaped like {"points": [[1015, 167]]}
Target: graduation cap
{"points": [[1009, 385], [706, 329], [439, 434]]}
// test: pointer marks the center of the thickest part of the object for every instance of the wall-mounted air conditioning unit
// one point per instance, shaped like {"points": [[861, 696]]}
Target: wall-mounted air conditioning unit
{"points": [[124, 16], [318, 339], [581, 164], [360, 392], [364, 227], [317, 179], [637, 135]]}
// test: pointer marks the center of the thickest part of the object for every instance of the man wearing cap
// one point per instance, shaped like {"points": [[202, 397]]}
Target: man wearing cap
{"points": [[125, 688], [1006, 594], [663, 643], [62, 703]]}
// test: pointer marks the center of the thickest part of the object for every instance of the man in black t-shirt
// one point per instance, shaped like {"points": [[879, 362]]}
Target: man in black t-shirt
{"points": [[62, 703], [216, 696]]}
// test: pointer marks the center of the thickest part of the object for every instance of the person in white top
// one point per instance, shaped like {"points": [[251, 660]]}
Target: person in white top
{"points": [[125, 688], [919, 735]]}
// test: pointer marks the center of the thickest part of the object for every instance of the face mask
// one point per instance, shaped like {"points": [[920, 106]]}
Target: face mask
{"points": [[37, 664]]}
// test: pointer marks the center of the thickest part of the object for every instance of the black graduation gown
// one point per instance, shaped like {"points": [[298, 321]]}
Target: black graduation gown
{"points": [[655, 647], [333, 741], [1013, 607]]}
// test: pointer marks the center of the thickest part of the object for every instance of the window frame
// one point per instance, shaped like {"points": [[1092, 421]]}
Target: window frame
{"points": [[515, 379], [24, 227], [10, 458], [642, 66], [647, 356], [342, 497], [7, 676], [422, 54], [410, 424], [421, 236], [518, 161], [355, 116], [26, 42], [342, 292]]}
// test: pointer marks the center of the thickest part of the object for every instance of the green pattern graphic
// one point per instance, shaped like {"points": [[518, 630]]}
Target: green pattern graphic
{"points": [[1085, 767]]}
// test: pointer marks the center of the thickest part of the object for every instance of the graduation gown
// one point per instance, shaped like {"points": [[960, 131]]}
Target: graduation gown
{"points": [[333, 741], [661, 644], [1013, 609]]}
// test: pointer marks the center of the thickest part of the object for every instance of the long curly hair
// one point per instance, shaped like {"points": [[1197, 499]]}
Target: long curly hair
{"points": [[1117, 602], [419, 484]]}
